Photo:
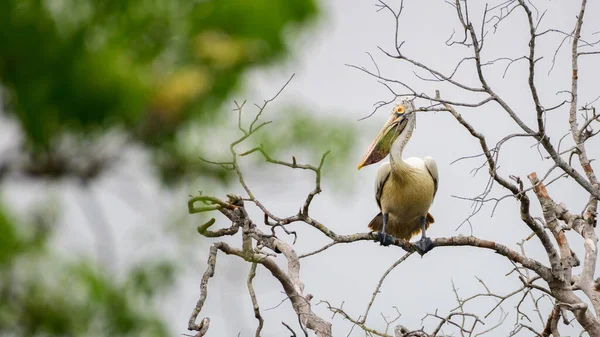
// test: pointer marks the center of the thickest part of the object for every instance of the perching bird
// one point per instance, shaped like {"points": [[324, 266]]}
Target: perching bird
{"points": [[404, 188]]}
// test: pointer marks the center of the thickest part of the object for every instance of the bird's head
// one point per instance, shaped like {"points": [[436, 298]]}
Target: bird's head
{"points": [[401, 122]]}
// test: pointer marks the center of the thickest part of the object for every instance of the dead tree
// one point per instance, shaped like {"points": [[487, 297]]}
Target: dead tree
{"points": [[554, 277]]}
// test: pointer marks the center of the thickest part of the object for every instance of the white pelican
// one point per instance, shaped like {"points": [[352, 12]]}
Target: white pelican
{"points": [[404, 188]]}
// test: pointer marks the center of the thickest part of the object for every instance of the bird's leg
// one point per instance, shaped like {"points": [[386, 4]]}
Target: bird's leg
{"points": [[385, 239], [424, 244]]}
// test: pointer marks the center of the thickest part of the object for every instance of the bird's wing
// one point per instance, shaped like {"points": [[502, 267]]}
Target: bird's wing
{"points": [[382, 175], [431, 166]]}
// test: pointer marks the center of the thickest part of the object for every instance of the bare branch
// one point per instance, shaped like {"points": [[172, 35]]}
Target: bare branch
{"points": [[522, 197], [210, 272], [257, 314], [289, 328], [376, 291], [341, 312], [262, 108]]}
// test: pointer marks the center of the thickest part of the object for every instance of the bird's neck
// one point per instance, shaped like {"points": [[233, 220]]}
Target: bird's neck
{"points": [[399, 167]]}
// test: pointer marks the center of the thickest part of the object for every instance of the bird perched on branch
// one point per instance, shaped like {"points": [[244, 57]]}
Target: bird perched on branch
{"points": [[404, 188]]}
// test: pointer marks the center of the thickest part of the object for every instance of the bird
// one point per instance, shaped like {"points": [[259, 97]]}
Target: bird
{"points": [[404, 188]]}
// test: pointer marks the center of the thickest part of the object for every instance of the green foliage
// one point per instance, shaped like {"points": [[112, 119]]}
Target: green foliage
{"points": [[144, 67], [42, 294], [14, 244], [72, 65]]}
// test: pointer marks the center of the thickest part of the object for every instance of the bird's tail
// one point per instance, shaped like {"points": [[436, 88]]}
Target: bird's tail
{"points": [[429, 219], [376, 224]]}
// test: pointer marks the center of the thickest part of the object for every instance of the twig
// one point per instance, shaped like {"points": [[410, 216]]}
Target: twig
{"points": [[376, 291], [257, 314]]}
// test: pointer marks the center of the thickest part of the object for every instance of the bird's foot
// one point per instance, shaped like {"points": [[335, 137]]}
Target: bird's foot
{"points": [[385, 239], [424, 245]]}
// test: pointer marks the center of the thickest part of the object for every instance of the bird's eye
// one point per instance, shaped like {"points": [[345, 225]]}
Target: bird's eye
{"points": [[399, 110]]}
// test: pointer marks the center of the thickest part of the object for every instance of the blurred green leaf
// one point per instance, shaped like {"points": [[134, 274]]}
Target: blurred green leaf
{"points": [[147, 65], [144, 67], [151, 277], [14, 244], [42, 294]]}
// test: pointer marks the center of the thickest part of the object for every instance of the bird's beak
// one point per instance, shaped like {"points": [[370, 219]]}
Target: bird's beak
{"points": [[382, 145]]}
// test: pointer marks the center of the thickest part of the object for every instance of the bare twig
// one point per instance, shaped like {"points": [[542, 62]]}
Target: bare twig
{"points": [[376, 291], [257, 314]]}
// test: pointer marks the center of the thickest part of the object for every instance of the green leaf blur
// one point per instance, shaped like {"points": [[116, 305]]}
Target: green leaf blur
{"points": [[43, 295], [143, 67]]}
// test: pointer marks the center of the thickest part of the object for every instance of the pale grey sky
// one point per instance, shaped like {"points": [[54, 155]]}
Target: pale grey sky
{"points": [[350, 273]]}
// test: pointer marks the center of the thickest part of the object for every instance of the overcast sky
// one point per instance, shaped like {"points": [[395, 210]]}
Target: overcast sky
{"points": [[350, 273]]}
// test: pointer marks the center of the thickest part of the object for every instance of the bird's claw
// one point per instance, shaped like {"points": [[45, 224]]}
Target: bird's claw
{"points": [[424, 245], [385, 239]]}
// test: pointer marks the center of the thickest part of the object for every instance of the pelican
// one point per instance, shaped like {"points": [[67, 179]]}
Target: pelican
{"points": [[404, 188]]}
